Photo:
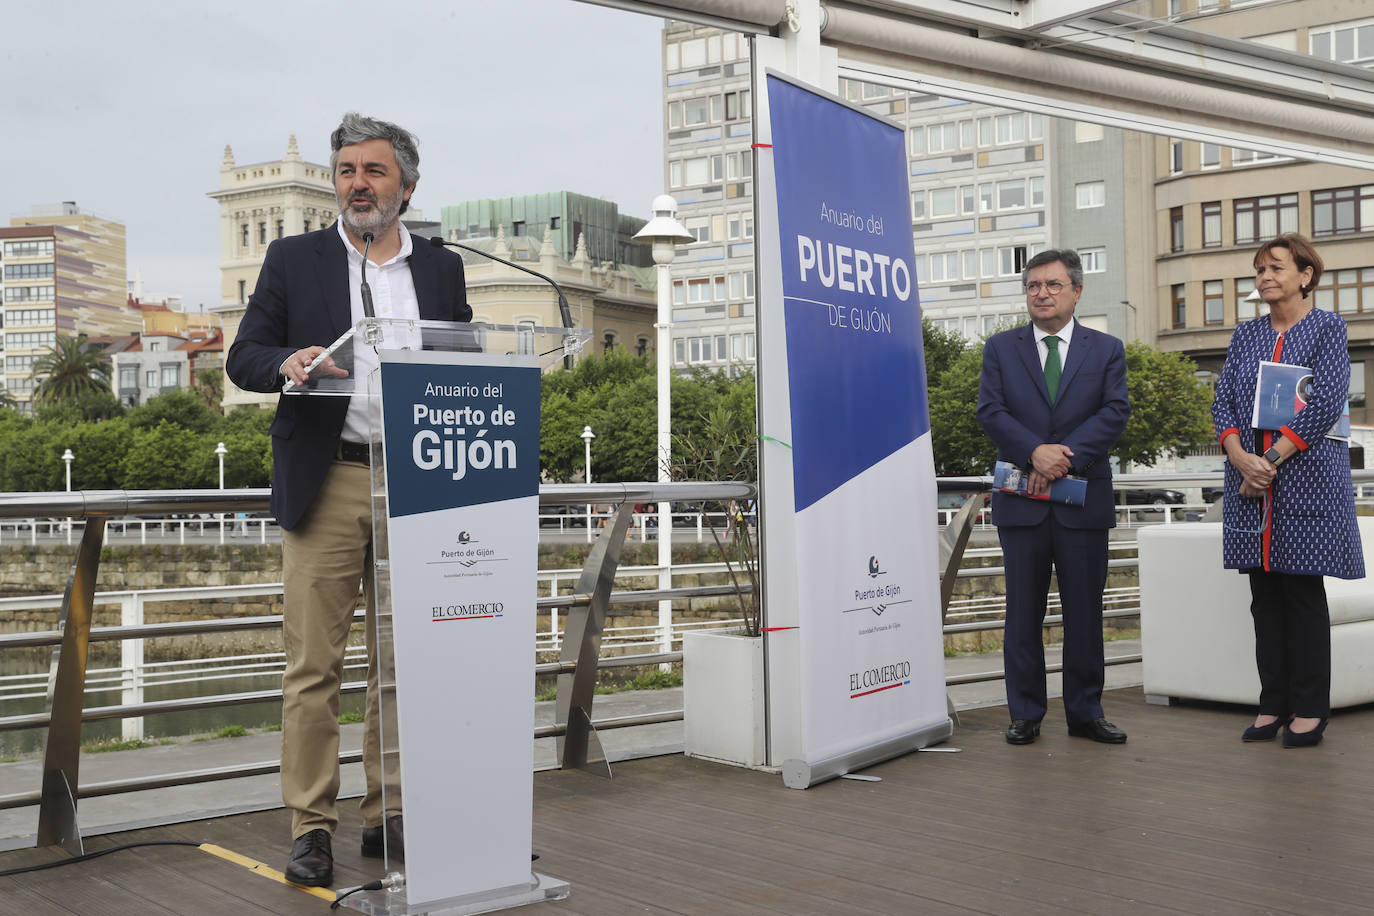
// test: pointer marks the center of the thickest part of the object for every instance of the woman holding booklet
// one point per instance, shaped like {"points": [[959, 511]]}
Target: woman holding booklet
{"points": [[1289, 510]]}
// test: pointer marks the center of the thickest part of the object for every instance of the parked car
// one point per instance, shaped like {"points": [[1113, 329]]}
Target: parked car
{"points": [[1153, 497]]}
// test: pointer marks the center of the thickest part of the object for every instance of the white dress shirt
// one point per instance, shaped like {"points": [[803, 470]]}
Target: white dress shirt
{"points": [[393, 296]]}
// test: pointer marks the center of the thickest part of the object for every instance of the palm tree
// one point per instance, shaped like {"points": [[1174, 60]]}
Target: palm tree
{"points": [[69, 370]]}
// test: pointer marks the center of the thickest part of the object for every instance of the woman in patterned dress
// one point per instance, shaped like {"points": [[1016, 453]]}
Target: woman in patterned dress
{"points": [[1289, 509]]}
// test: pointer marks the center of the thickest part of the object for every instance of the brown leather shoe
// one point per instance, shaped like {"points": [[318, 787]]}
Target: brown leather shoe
{"points": [[312, 860], [395, 839]]}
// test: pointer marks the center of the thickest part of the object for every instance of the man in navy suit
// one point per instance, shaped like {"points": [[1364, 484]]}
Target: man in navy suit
{"points": [[307, 295], [1053, 400]]}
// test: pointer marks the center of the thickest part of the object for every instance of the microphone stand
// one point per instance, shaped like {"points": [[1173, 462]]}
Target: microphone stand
{"points": [[563, 310]]}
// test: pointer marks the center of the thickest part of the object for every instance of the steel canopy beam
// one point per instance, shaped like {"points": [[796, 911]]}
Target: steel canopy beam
{"points": [[1108, 67]]}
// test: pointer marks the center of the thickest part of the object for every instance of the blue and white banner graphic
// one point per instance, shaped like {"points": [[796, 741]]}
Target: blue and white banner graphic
{"points": [[461, 435], [863, 531]]}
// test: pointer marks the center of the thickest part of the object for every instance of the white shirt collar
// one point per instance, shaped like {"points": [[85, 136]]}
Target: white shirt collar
{"points": [[1065, 334], [407, 246]]}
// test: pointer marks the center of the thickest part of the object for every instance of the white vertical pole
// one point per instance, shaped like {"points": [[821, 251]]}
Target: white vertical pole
{"points": [[131, 661]]}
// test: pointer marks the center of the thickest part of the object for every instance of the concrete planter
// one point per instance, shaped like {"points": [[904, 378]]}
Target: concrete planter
{"points": [[722, 697]]}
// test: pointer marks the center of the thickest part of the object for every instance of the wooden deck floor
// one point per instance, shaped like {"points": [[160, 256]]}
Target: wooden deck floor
{"points": [[1182, 819]]}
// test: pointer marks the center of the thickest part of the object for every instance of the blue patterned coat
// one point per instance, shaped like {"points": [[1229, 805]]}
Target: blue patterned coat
{"points": [[1311, 529]]}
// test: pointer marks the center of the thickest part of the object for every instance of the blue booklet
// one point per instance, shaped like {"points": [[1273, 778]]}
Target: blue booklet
{"points": [[1281, 390], [1069, 491]]}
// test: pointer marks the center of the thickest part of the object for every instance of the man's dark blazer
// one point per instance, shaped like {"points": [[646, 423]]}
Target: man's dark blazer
{"points": [[302, 300], [1089, 415]]}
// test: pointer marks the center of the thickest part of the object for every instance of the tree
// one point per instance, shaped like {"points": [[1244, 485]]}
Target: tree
{"points": [[89, 406], [960, 446], [168, 456], [941, 348], [210, 386], [1170, 407], [180, 407], [100, 449], [72, 368]]}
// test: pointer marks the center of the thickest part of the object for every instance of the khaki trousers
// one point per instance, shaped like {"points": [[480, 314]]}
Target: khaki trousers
{"points": [[324, 559]]}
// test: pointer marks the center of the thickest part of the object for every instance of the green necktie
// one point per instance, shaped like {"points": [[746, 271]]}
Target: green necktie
{"points": [[1053, 368]]}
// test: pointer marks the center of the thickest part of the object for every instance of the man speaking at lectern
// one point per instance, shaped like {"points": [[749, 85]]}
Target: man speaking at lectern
{"points": [[308, 293]]}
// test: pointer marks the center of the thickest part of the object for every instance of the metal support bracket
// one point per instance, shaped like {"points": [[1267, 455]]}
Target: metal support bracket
{"points": [[579, 747], [57, 824], [953, 539]]}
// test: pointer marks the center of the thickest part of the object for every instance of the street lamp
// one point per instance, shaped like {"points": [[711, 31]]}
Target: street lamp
{"points": [[68, 458], [587, 437], [220, 452], [666, 233]]}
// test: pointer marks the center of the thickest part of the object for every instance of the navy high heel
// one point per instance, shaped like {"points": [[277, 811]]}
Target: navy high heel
{"points": [[1305, 739], [1263, 732]]}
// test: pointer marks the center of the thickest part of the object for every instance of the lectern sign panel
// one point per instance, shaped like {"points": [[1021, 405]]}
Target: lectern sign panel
{"points": [[461, 434]]}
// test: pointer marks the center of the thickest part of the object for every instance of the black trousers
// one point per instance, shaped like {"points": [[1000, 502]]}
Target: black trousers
{"points": [[1292, 644]]}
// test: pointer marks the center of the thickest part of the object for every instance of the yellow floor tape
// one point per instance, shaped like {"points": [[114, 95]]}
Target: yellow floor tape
{"points": [[230, 856]]}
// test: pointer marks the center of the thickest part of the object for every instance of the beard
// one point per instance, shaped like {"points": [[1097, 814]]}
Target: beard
{"points": [[381, 215]]}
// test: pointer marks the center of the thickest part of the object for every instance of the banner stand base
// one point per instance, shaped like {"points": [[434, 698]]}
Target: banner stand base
{"points": [[393, 903], [798, 774]]}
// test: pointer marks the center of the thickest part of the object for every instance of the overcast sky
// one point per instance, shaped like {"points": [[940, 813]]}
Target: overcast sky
{"points": [[125, 108]]}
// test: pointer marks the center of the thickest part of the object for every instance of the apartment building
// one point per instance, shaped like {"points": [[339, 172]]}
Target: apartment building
{"points": [[1214, 205], [64, 274]]}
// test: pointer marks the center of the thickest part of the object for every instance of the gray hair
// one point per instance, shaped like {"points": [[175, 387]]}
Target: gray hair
{"points": [[355, 128], [1066, 256]]}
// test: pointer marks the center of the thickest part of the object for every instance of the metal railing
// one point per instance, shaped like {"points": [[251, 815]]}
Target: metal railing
{"points": [[576, 668]]}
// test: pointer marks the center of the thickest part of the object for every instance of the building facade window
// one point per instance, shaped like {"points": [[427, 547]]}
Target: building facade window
{"points": [[1175, 157], [1090, 194], [1176, 229], [1179, 306], [1247, 308], [1346, 292], [1094, 260], [1213, 305], [1261, 218], [944, 267], [1356, 394], [1211, 224], [943, 202], [1011, 195], [1011, 128], [1346, 42], [169, 376], [43, 271], [1211, 156], [942, 138], [1340, 210], [1084, 132], [42, 248]]}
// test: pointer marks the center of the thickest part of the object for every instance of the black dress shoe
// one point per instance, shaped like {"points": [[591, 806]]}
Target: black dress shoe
{"points": [[1099, 730], [1022, 731], [312, 860], [1305, 739], [1263, 732], [395, 839]]}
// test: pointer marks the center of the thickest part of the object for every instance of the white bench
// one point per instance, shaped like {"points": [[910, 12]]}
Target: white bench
{"points": [[1198, 640]]}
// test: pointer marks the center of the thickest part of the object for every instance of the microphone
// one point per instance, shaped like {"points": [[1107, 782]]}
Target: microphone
{"points": [[366, 290], [563, 309]]}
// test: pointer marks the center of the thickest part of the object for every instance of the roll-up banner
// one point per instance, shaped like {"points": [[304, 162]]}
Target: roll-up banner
{"points": [[848, 474], [461, 436]]}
